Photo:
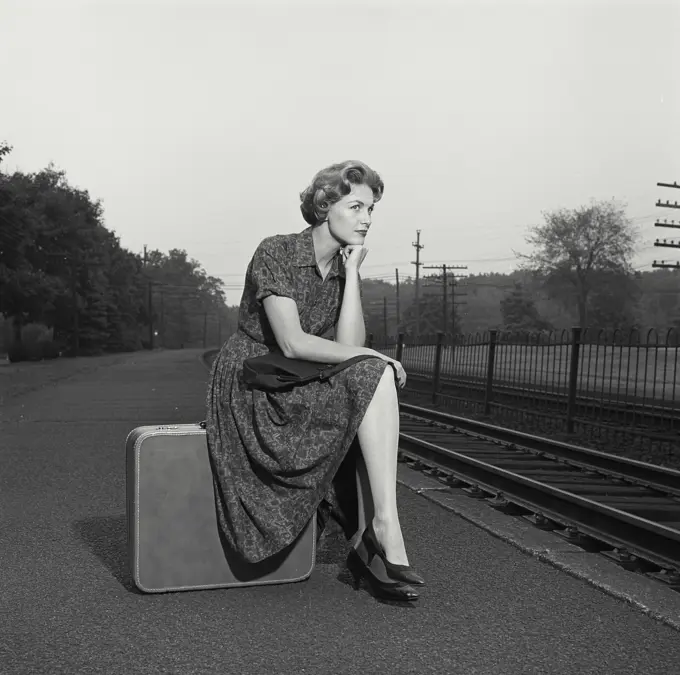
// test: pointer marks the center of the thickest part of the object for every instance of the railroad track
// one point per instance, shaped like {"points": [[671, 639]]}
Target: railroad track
{"points": [[627, 510]]}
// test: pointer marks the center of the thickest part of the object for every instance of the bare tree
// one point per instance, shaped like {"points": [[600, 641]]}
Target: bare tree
{"points": [[574, 248]]}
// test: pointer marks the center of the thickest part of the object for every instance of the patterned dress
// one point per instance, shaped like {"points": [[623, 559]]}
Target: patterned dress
{"points": [[278, 457]]}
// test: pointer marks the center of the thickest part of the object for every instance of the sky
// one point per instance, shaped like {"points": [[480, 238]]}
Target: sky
{"points": [[197, 124]]}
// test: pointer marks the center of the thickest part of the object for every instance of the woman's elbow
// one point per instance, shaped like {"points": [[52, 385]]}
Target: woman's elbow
{"points": [[288, 351], [290, 346]]}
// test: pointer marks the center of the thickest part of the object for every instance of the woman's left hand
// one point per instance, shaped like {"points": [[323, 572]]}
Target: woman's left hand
{"points": [[353, 255]]}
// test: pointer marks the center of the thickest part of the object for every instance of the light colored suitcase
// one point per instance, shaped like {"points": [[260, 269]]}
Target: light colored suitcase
{"points": [[174, 542]]}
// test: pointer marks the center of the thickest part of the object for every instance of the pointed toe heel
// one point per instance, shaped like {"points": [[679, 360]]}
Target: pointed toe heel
{"points": [[404, 573], [386, 590]]}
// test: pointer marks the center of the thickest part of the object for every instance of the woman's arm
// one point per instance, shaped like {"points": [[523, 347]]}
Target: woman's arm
{"points": [[350, 329], [271, 278], [271, 275], [284, 319]]}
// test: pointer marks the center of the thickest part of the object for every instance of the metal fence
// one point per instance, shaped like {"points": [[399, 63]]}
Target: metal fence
{"points": [[601, 381]]}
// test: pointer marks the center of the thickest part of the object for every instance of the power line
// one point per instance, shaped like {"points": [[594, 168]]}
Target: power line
{"points": [[447, 280], [396, 271], [418, 246]]}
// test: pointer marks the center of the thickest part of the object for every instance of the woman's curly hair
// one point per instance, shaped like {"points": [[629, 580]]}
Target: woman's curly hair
{"points": [[331, 184]]}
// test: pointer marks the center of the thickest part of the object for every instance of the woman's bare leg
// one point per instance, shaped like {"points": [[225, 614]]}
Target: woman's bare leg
{"points": [[378, 437], [365, 499]]}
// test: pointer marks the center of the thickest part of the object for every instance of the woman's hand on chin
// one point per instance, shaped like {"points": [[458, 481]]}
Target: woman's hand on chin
{"points": [[353, 255]]}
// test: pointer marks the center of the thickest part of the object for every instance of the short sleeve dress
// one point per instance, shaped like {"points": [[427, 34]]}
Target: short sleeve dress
{"points": [[276, 456]]}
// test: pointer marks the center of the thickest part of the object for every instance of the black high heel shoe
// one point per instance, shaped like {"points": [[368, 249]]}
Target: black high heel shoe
{"points": [[404, 573], [387, 589]]}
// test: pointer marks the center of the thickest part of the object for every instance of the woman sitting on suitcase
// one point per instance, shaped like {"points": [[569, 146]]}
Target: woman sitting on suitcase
{"points": [[276, 455]]}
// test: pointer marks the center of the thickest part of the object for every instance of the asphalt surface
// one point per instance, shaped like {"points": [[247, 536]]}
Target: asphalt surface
{"points": [[68, 606]]}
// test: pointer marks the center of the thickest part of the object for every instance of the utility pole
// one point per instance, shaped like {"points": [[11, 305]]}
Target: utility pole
{"points": [[149, 293], [673, 224], [75, 263], [396, 271], [418, 246], [454, 303], [385, 317], [444, 278], [162, 321], [445, 284], [372, 309]]}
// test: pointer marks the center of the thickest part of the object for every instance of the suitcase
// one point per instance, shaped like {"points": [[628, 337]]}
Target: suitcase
{"points": [[174, 543]]}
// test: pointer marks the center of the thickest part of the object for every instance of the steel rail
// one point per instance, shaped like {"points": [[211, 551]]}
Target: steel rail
{"points": [[659, 478], [646, 539]]}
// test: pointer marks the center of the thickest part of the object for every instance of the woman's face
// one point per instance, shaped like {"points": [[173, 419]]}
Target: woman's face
{"points": [[350, 218]]}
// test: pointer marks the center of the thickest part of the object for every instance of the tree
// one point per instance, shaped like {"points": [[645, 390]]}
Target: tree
{"points": [[519, 311], [573, 246], [188, 305], [60, 267], [30, 285], [614, 301], [5, 149]]}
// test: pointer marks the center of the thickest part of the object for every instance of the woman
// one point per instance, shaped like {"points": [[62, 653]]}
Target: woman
{"points": [[276, 456]]}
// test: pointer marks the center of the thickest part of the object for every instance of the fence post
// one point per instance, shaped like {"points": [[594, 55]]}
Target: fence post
{"points": [[400, 347], [493, 337], [573, 376], [369, 341], [437, 365]]}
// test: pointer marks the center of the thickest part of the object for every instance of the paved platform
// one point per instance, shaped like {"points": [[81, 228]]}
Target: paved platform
{"points": [[67, 605]]}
